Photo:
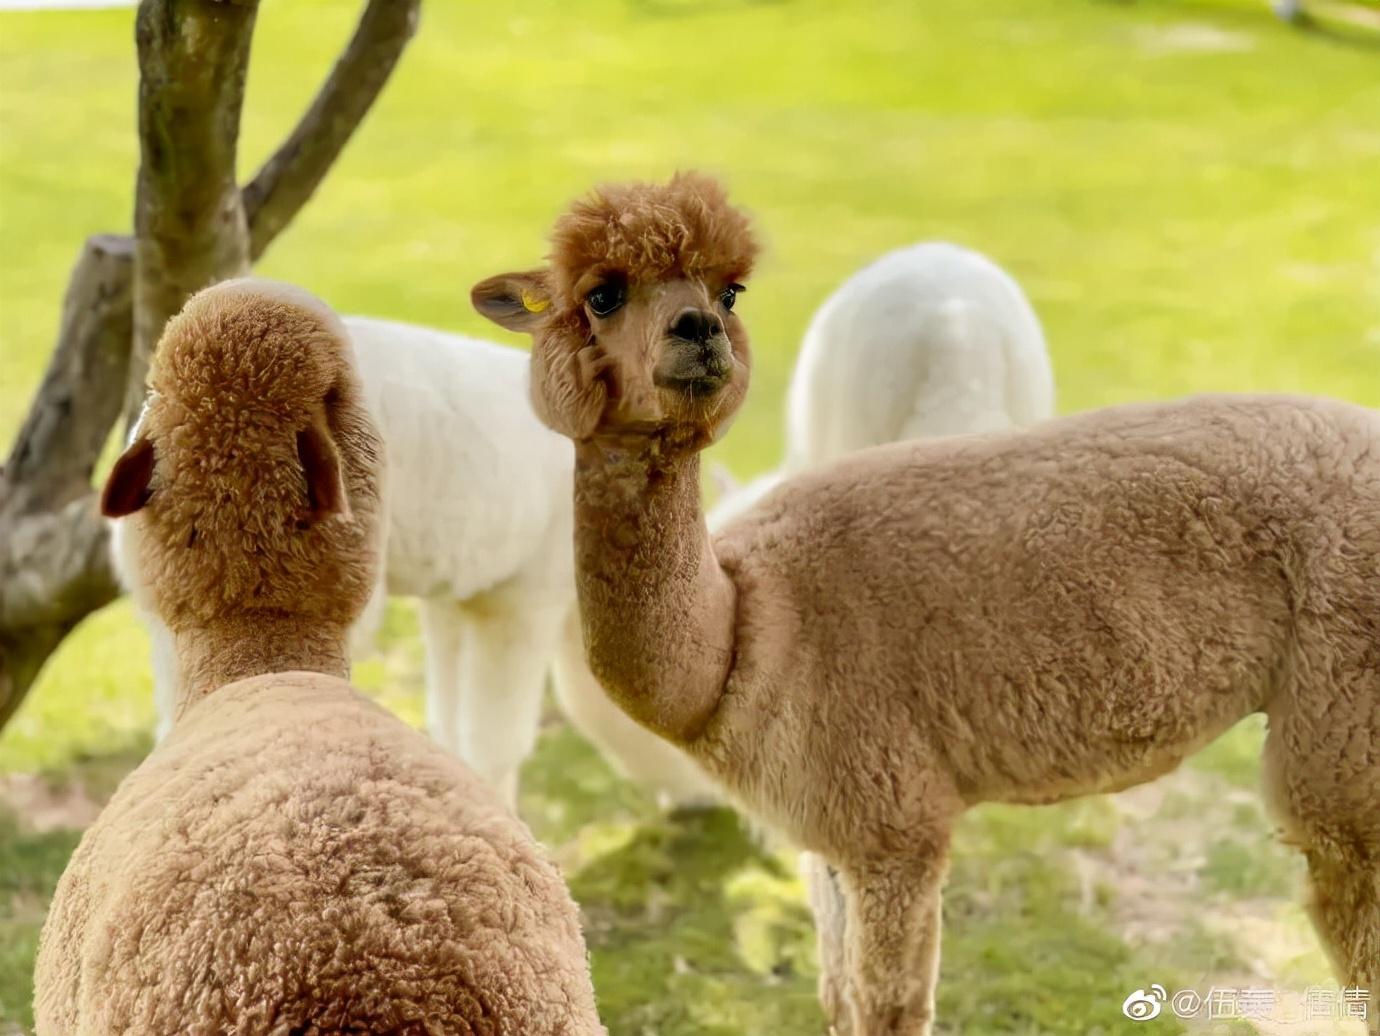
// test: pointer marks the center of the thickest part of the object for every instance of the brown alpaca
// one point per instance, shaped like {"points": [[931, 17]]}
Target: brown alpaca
{"points": [[1018, 617], [292, 858]]}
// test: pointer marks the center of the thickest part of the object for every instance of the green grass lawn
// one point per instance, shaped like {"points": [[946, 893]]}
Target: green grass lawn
{"points": [[1188, 191]]}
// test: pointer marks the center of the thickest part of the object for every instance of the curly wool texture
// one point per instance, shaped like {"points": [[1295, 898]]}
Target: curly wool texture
{"points": [[885, 641], [294, 859], [888, 640], [649, 236], [1028, 617], [237, 373], [650, 232], [291, 859]]}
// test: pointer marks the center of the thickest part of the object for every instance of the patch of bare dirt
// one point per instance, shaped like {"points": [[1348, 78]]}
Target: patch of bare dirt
{"points": [[1153, 871], [44, 805], [1192, 38]]}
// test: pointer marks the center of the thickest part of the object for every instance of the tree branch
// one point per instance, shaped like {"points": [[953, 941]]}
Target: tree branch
{"points": [[190, 231], [51, 460], [55, 570], [290, 177], [56, 565]]}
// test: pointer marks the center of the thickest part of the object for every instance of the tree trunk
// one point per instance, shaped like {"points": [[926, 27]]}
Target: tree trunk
{"points": [[193, 226], [189, 220]]}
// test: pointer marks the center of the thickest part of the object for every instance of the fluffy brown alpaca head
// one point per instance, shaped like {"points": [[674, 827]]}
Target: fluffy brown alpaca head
{"points": [[633, 326], [252, 480]]}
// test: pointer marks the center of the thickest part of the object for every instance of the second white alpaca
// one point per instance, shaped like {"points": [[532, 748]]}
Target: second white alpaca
{"points": [[478, 528], [932, 339], [929, 340]]}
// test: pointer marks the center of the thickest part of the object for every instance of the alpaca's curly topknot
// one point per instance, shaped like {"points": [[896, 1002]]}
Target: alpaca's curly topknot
{"points": [[247, 346], [651, 231], [238, 376]]}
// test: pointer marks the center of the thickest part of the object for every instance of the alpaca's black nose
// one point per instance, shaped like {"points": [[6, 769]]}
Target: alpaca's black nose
{"points": [[696, 325]]}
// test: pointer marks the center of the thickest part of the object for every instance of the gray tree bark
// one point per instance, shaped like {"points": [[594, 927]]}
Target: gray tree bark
{"points": [[193, 226]]}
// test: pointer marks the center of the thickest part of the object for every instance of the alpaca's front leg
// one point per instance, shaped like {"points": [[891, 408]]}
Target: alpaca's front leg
{"points": [[504, 659], [892, 943], [830, 912], [442, 630]]}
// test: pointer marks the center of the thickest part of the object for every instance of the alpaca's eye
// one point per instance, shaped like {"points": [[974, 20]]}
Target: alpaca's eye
{"points": [[606, 298], [730, 295]]}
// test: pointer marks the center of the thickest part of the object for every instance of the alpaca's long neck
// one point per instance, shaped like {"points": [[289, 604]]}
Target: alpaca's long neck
{"points": [[657, 610], [211, 656]]}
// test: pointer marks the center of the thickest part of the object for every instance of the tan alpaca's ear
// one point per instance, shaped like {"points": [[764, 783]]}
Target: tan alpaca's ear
{"points": [[325, 484], [127, 488], [517, 301]]}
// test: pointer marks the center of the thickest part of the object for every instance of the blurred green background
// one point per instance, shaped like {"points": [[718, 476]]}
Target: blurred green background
{"points": [[1189, 193]]}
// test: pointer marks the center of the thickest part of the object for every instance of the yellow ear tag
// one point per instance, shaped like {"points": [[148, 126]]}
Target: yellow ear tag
{"points": [[533, 303]]}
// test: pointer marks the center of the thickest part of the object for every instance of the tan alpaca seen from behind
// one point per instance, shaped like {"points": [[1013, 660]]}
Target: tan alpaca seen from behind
{"points": [[292, 858], [1015, 617]]}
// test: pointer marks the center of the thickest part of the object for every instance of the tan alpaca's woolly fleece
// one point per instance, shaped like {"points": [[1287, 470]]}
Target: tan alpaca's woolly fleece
{"points": [[1021, 616], [291, 860]]}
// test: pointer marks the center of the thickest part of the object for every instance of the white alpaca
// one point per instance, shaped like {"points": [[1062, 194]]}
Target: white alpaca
{"points": [[929, 340], [478, 527]]}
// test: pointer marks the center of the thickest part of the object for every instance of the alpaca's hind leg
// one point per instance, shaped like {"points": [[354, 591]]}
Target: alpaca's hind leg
{"points": [[442, 630], [1322, 781], [830, 912], [1345, 908], [503, 665], [892, 945]]}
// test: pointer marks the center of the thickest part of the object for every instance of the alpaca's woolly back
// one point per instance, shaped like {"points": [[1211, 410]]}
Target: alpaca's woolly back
{"points": [[294, 859], [928, 340], [1054, 585]]}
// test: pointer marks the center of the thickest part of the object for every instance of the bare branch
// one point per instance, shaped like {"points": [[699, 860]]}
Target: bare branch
{"points": [[55, 566], [54, 571], [190, 231], [21, 660], [82, 392], [292, 174]]}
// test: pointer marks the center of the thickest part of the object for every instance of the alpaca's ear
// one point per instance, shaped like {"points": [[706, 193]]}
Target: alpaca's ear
{"points": [[321, 467], [517, 301], [127, 488]]}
